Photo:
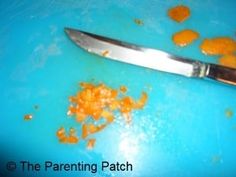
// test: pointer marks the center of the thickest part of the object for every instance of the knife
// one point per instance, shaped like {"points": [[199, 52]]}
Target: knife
{"points": [[150, 58]]}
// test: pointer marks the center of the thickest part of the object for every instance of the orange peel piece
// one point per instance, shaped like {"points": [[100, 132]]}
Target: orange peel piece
{"points": [[185, 37], [179, 13], [218, 46]]}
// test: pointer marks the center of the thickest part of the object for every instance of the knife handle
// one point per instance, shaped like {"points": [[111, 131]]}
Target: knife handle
{"points": [[221, 73]]}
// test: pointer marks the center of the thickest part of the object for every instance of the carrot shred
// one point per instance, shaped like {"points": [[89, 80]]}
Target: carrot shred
{"points": [[91, 143]]}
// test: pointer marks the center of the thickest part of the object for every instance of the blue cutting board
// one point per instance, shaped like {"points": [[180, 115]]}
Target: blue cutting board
{"points": [[182, 131]]}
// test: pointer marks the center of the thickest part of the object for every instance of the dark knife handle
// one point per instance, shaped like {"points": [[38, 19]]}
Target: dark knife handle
{"points": [[221, 73]]}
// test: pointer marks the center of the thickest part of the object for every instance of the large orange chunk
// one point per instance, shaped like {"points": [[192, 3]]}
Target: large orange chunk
{"points": [[218, 46], [179, 13], [185, 37], [228, 60]]}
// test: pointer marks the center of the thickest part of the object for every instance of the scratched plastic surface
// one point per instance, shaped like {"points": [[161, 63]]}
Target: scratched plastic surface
{"points": [[183, 130]]}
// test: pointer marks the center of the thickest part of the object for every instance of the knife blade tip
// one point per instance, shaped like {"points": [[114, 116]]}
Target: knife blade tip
{"points": [[66, 30]]}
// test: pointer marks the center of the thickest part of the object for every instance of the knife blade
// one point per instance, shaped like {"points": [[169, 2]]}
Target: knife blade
{"points": [[150, 58]]}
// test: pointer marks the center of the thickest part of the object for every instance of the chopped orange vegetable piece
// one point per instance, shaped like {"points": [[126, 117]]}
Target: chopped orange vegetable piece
{"points": [[141, 102], [108, 116], [80, 117], [72, 132], [228, 60], [63, 139], [28, 116], [84, 131], [114, 105], [185, 37], [91, 143], [92, 128], [72, 139], [123, 89], [61, 132], [179, 13], [218, 46]]}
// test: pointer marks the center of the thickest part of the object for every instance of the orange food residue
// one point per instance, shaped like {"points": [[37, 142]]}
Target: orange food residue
{"points": [[123, 88], [70, 139], [228, 60], [28, 117], [91, 143], [179, 13], [184, 37], [93, 108], [218, 46], [105, 53]]}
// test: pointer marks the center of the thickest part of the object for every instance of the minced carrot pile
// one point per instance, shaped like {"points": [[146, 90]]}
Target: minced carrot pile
{"points": [[184, 37], [95, 104], [218, 46], [228, 60], [179, 13]]}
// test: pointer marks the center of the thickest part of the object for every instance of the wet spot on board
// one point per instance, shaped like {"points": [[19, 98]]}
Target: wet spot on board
{"points": [[229, 113], [36, 107], [216, 159]]}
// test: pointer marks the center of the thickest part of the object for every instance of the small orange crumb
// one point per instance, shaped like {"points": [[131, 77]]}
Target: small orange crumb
{"points": [[72, 132], [63, 138], [179, 13], [91, 143], [80, 116], [108, 116], [138, 21], [61, 132], [61, 135], [105, 53], [228, 60], [91, 128], [218, 46], [28, 117], [123, 89], [72, 139], [185, 37], [84, 131], [141, 102]]}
